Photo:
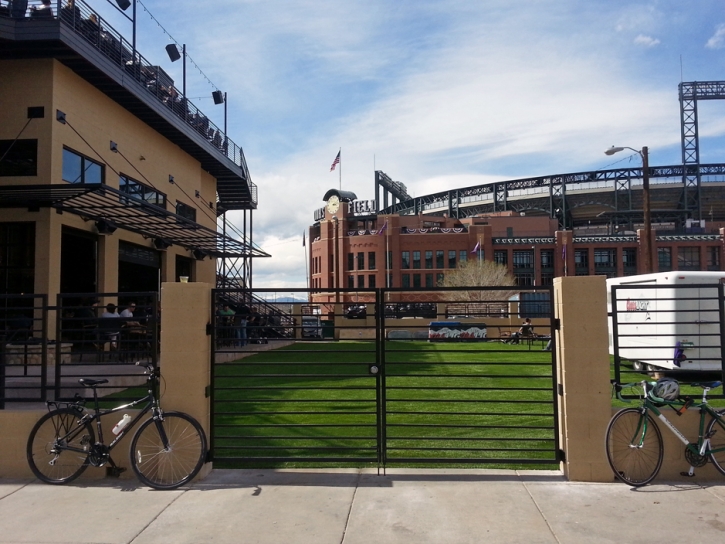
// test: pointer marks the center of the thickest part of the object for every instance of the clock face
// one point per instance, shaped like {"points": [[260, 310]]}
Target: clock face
{"points": [[333, 204]]}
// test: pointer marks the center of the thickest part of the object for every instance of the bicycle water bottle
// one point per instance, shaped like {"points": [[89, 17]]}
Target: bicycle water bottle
{"points": [[125, 420]]}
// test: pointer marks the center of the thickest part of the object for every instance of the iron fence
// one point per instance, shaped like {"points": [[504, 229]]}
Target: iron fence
{"points": [[349, 380], [46, 348]]}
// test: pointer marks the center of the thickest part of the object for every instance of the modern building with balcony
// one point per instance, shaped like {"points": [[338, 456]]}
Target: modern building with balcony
{"points": [[110, 179]]}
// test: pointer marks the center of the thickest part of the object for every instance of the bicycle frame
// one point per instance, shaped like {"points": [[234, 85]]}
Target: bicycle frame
{"points": [[702, 447], [151, 405]]}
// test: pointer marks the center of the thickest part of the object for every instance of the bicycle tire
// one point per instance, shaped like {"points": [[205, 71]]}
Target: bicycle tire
{"points": [[717, 440], [48, 459], [634, 465], [163, 468]]}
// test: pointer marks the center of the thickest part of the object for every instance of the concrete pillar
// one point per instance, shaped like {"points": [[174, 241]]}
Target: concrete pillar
{"points": [[580, 303], [185, 359]]}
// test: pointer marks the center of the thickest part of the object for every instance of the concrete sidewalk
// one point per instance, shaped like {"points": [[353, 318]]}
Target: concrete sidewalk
{"points": [[356, 507]]}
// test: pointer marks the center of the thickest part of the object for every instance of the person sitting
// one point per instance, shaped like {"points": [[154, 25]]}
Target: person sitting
{"points": [[525, 331], [44, 11], [18, 8]]}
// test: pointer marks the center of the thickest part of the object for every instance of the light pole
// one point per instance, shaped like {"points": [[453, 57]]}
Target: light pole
{"points": [[647, 241]]}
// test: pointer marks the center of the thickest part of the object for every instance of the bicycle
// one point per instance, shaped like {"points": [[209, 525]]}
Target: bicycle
{"points": [[167, 450], [634, 441]]}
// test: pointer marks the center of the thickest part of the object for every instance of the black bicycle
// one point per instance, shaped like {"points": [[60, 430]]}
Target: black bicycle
{"points": [[167, 450]]}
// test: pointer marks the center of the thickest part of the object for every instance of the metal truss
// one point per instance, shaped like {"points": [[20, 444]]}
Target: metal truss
{"points": [[392, 188], [518, 195], [690, 93]]}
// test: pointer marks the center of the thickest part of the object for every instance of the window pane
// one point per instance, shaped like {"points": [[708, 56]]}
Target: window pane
{"points": [[439, 258], [406, 260], [94, 172], [416, 259], [429, 259], [416, 280], [72, 172], [451, 258]]}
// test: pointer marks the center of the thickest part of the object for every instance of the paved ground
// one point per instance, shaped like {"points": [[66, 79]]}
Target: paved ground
{"points": [[353, 507]]}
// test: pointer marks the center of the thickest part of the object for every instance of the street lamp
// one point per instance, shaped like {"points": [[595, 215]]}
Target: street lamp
{"points": [[647, 241]]}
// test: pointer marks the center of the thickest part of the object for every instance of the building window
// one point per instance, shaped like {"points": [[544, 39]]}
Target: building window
{"points": [[19, 158], [429, 280], [143, 192], [351, 261], [581, 259], [523, 259], [713, 258], [439, 279], [547, 258], [429, 260], [547, 279], [463, 256], [524, 278], [361, 260], [361, 281], [451, 258], [629, 258], [371, 281], [371, 260], [351, 282], [605, 258], [406, 280], [405, 264], [501, 257], [185, 211], [416, 259], [664, 259], [80, 169], [439, 259], [416, 280], [688, 258]]}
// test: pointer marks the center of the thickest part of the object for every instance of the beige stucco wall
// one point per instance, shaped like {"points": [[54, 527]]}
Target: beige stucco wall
{"points": [[94, 120]]}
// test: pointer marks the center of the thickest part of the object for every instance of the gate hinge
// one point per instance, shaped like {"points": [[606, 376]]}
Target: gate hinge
{"points": [[209, 457], [560, 389], [557, 324], [208, 329], [207, 391], [562, 455]]}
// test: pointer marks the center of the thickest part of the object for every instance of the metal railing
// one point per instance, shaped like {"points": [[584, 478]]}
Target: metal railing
{"points": [[46, 348]]}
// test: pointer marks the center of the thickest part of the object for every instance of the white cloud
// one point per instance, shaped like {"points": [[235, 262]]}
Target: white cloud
{"points": [[717, 40], [646, 41]]}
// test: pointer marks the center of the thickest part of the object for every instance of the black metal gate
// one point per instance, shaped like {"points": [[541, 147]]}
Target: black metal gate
{"points": [[383, 377]]}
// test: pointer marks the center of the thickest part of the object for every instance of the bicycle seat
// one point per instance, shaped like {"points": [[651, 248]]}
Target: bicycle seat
{"points": [[92, 382], [710, 385]]}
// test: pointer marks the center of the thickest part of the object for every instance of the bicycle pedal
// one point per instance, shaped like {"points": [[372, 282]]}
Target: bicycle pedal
{"points": [[687, 474], [114, 472]]}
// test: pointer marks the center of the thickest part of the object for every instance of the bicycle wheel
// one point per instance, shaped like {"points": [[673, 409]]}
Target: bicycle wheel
{"points": [[634, 460], [172, 466], [716, 430], [58, 446]]}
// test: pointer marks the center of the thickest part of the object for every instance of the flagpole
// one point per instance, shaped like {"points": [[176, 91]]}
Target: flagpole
{"points": [[340, 154], [307, 272]]}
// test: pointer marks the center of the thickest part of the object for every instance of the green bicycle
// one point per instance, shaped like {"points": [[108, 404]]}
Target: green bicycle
{"points": [[634, 441]]}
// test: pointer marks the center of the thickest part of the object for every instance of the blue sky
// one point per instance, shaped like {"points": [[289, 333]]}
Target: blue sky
{"points": [[438, 94]]}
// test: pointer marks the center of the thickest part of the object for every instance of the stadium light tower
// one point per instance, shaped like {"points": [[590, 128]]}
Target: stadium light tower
{"points": [[647, 240]]}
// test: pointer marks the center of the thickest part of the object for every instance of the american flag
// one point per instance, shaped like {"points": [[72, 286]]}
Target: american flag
{"points": [[335, 162]]}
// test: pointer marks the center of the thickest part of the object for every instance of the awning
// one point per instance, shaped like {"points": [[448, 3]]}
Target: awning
{"points": [[97, 202]]}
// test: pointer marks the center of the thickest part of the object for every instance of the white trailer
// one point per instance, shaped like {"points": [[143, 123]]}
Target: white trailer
{"points": [[660, 323]]}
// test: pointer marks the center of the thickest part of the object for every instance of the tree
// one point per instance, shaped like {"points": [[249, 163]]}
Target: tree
{"points": [[480, 274]]}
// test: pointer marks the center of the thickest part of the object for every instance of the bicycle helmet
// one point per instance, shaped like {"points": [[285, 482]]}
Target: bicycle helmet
{"points": [[667, 389]]}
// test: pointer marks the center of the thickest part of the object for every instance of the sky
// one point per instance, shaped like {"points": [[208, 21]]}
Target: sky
{"points": [[437, 94]]}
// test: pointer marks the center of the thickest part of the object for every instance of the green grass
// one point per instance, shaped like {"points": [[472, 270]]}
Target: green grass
{"points": [[452, 403]]}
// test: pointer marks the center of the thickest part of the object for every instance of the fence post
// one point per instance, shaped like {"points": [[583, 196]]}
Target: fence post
{"points": [[585, 406], [185, 358]]}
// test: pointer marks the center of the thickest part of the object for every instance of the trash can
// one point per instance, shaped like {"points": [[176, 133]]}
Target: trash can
{"points": [[328, 328]]}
